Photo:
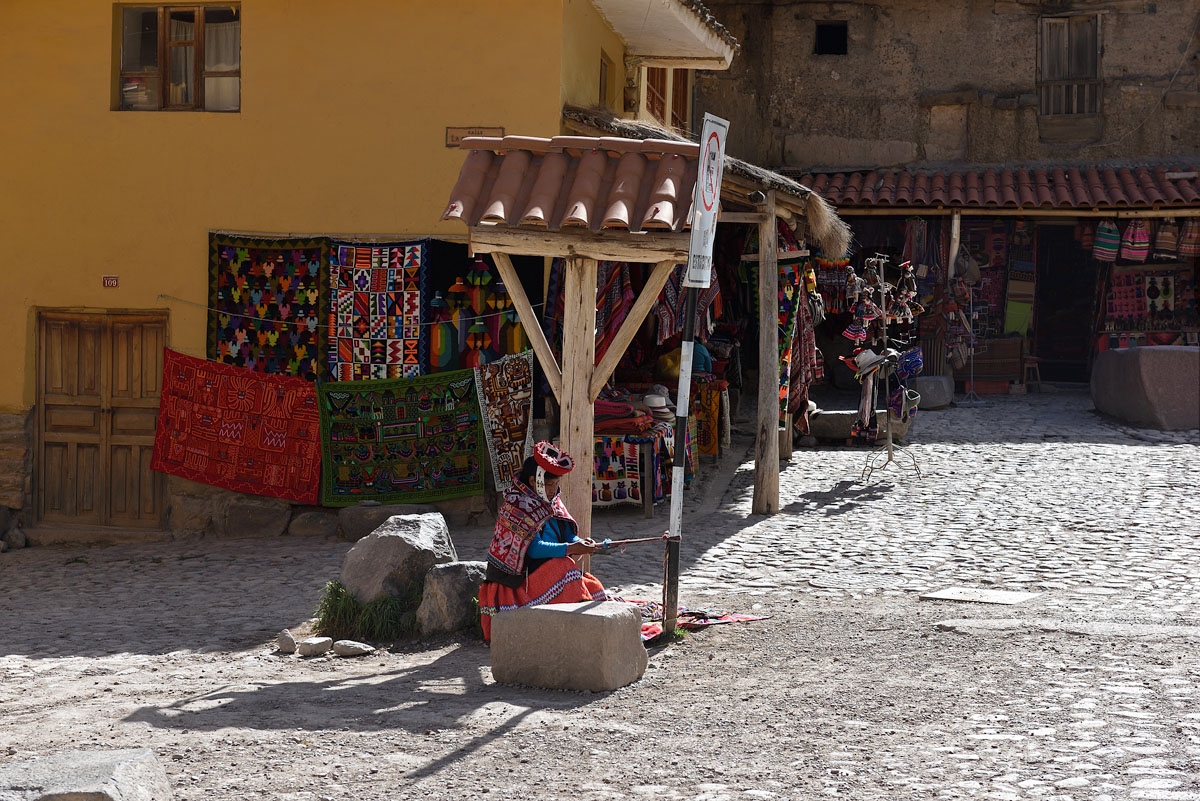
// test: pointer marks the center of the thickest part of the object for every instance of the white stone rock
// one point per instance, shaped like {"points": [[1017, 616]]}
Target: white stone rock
{"points": [[314, 646], [594, 646], [446, 603], [356, 522], [352, 648], [285, 642], [397, 554], [128, 774]]}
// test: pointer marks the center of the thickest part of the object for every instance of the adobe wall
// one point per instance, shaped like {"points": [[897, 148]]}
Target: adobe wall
{"points": [[928, 81]]}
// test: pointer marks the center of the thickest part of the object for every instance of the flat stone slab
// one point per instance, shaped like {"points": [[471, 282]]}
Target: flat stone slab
{"points": [[1152, 387], [594, 646], [1097, 628], [127, 774], [977, 596], [836, 425]]}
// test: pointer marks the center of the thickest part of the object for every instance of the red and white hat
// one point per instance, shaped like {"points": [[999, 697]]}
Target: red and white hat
{"points": [[553, 459]]}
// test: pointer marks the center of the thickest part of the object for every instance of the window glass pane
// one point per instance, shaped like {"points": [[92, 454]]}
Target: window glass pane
{"points": [[139, 93], [182, 25], [182, 79], [139, 39], [222, 40], [222, 94]]}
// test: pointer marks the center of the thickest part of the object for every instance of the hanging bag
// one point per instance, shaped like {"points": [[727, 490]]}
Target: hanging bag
{"points": [[1189, 238], [1166, 241], [1106, 241], [1135, 244]]}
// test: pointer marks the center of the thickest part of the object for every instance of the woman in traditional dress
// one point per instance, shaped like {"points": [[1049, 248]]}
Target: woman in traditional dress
{"points": [[529, 561]]}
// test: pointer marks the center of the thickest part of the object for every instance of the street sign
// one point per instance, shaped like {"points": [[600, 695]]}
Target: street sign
{"points": [[705, 202]]}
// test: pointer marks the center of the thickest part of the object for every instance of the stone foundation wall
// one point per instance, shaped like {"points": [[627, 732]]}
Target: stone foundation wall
{"points": [[16, 466]]}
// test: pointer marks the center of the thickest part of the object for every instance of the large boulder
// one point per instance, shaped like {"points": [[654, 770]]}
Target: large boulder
{"points": [[128, 774], [595, 646], [391, 559], [356, 522], [936, 391], [446, 604], [1152, 387]]}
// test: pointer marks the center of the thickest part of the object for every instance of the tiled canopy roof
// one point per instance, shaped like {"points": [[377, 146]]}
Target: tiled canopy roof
{"points": [[581, 182], [1033, 188]]}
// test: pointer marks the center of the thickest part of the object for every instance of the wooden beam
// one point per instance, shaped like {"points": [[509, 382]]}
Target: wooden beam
{"points": [[533, 326], [766, 441], [754, 218], [637, 315], [577, 421], [651, 246]]}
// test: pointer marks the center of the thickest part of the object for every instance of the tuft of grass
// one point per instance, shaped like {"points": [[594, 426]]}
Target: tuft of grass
{"points": [[340, 615]]}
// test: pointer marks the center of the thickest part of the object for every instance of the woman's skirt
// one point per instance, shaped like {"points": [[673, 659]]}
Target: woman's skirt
{"points": [[558, 581]]}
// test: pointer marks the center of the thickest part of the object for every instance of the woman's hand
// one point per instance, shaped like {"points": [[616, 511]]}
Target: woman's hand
{"points": [[582, 547]]}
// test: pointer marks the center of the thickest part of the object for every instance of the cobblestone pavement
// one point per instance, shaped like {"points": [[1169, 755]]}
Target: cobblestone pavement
{"points": [[853, 689]]}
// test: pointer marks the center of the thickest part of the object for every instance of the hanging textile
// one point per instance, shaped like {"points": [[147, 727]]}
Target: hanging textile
{"points": [[1106, 241], [233, 428], [266, 301], [616, 477], [555, 308], [668, 309], [791, 298], [614, 300], [706, 408], [505, 389], [1189, 238], [401, 440], [376, 310], [1166, 240]]}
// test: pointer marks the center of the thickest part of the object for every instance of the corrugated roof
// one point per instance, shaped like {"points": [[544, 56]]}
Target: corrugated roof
{"points": [[1065, 187], [581, 182]]}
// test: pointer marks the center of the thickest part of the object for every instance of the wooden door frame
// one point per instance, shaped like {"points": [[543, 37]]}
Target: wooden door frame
{"points": [[75, 314]]}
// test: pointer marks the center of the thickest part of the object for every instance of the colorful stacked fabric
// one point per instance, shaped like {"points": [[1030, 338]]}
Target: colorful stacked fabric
{"points": [[505, 389], [376, 309], [233, 428], [266, 302], [401, 440]]}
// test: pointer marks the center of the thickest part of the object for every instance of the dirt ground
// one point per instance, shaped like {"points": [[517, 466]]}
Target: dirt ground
{"points": [[1092, 691]]}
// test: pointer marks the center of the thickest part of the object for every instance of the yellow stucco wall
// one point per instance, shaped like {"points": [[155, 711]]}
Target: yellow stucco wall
{"points": [[586, 35], [342, 130]]}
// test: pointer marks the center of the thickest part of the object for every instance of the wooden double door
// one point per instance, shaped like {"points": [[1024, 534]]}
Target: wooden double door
{"points": [[99, 379]]}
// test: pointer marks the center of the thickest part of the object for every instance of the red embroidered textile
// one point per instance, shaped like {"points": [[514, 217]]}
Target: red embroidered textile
{"points": [[520, 517], [557, 581], [242, 430]]}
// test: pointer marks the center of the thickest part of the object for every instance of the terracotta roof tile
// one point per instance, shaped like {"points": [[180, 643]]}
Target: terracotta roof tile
{"points": [[576, 181], [1063, 187]]}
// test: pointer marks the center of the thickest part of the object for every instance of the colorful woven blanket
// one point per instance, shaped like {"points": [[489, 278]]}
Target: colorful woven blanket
{"points": [[616, 478], [401, 440], [266, 300], [236, 429], [378, 301], [505, 389]]}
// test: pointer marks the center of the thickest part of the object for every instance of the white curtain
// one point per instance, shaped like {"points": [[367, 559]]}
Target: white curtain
{"points": [[222, 51]]}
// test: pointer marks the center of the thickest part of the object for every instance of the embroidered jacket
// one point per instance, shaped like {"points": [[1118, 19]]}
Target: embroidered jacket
{"points": [[521, 516]]}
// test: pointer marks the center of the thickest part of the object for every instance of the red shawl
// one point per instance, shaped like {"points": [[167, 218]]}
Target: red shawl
{"points": [[521, 516]]}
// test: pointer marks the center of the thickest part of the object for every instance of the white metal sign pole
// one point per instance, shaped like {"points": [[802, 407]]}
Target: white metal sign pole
{"points": [[705, 205]]}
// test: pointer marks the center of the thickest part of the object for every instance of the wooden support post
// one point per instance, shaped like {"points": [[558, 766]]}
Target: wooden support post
{"points": [[766, 441], [579, 355], [530, 322], [785, 438], [633, 321]]}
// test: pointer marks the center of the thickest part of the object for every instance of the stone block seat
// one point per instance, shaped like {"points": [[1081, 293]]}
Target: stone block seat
{"points": [[594, 646], [1153, 387]]}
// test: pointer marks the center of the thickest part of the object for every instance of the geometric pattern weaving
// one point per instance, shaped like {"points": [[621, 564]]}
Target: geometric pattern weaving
{"points": [[506, 396], [376, 310], [401, 440], [267, 298], [233, 428]]}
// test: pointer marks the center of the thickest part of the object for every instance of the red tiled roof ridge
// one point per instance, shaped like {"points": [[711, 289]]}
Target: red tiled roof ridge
{"points": [[1115, 185]]}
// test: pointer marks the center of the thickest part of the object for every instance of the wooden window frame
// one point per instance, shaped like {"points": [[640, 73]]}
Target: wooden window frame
{"points": [[1075, 90], [681, 112], [656, 98], [164, 45]]}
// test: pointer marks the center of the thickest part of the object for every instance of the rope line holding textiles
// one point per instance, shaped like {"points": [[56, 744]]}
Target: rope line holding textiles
{"points": [[318, 325]]}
